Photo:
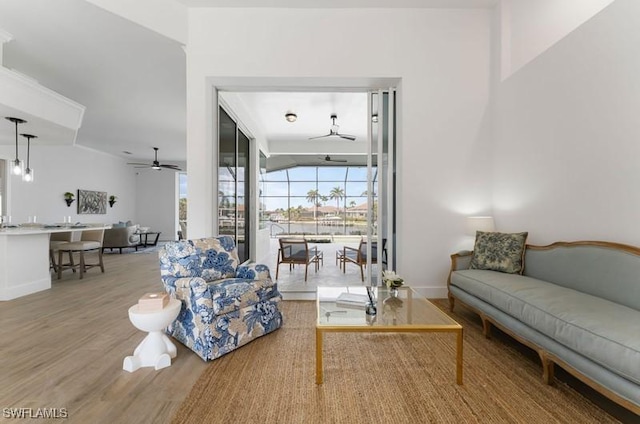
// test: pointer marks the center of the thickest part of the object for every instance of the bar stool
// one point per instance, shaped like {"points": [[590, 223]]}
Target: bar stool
{"points": [[89, 241], [55, 241]]}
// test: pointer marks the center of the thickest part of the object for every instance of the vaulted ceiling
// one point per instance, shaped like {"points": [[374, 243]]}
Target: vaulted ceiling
{"points": [[132, 80]]}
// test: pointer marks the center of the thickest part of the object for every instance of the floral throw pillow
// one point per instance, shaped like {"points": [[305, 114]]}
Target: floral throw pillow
{"points": [[502, 252]]}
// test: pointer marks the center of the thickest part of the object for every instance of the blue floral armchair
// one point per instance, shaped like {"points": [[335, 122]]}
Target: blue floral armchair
{"points": [[224, 305]]}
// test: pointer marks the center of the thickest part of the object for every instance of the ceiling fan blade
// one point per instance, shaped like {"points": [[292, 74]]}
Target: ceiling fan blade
{"points": [[174, 167], [320, 136], [137, 163], [347, 137], [142, 166], [339, 160]]}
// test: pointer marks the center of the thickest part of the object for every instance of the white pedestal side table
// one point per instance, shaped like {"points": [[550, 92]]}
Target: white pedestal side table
{"points": [[156, 350]]}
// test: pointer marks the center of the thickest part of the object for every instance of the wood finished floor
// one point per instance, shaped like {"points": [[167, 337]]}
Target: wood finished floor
{"points": [[64, 347]]}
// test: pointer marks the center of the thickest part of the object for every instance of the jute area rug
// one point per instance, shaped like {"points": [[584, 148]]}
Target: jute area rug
{"points": [[379, 378]]}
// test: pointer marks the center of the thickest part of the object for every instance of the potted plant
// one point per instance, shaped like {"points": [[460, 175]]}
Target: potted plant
{"points": [[392, 281], [69, 198], [112, 200]]}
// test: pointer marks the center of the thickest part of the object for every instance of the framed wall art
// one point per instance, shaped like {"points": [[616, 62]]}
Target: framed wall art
{"points": [[92, 202]]}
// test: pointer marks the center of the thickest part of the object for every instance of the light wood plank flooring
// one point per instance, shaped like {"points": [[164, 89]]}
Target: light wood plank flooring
{"points": [[64, 347]]}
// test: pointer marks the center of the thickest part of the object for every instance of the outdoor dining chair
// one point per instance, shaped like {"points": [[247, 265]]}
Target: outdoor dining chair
{"points": [[297, 252]]}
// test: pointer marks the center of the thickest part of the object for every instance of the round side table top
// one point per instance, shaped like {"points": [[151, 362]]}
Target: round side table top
{"points": [[154, 320]]}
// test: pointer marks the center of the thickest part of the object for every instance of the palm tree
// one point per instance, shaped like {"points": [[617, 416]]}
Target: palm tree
{"points": [[337, 193], [352, 204], [312, 197]]}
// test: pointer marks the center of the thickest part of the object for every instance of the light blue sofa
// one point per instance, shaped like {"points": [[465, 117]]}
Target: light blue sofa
{"points": [[224, 305], [577, 304]]}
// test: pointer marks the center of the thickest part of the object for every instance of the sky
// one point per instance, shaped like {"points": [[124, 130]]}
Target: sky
{"points": [[302, 179]]}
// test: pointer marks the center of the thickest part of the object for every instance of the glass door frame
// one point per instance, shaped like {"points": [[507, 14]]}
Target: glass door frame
{"points": [[384, 186], [250, 182]]}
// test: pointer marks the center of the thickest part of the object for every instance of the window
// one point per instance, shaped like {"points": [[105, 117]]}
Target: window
{"points": [[316, 200]]}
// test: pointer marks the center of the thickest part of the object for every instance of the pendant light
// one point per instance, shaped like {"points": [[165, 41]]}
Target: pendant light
{"points": [[16, 164], [27, 176]]}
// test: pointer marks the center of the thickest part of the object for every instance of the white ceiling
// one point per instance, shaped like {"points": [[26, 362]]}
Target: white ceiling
{"points": [[314, 111], [132, 80], [331, 4]]}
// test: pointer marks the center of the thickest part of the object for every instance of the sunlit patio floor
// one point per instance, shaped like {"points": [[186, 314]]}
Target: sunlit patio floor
{"points": [[291, 282]]}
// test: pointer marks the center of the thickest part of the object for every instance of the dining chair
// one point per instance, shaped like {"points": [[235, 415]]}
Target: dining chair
{"points": [[297, 252], [56, 240], [90, 240], [359, 256]]}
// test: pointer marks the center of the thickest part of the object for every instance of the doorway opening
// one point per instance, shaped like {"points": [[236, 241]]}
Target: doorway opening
{"points": [[310, 183]]}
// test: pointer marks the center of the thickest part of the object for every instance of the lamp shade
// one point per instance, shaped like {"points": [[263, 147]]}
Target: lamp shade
{"points": [[479, 223]]}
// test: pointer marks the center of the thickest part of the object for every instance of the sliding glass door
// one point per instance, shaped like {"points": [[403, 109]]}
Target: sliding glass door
{"points": [[234, 178], [381, 164]]}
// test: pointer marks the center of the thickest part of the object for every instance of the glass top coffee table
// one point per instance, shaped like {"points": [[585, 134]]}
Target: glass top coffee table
{"points": [[342, 309]]}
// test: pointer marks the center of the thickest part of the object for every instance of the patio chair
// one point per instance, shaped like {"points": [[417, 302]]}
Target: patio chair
{"points": [[359, 256], [297, 252]]}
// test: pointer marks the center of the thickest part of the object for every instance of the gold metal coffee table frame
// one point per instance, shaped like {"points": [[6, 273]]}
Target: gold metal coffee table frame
{"points": [[409, 312]]}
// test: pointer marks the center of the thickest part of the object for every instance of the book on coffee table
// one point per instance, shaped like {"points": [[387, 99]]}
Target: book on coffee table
{"points": [[352, 300]]}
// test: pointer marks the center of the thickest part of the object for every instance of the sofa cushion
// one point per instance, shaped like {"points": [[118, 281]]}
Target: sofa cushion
{"points": [[502, 252], [603, 331], [230, 294], [210, 258]]}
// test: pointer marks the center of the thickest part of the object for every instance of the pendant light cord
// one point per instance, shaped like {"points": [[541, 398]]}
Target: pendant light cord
{"points": [[16, 122]]}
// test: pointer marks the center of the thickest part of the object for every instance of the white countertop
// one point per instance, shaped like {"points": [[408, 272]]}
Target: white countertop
{"points": [[46, 229]]}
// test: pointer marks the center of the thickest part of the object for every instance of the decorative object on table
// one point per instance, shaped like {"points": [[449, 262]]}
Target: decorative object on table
{"points": [[112, 200], [156, 350], [17, 164], [392, 281], [69, 198], [153, 302], [370, 308], [27, 175], [92, 202]]}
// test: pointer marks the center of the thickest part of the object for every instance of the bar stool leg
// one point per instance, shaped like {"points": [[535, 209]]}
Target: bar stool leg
{"points": [[60, 253], [82, 265], [100, 259]]}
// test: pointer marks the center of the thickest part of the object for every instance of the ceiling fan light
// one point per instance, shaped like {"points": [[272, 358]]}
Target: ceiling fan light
{"points": [[157, 168], [291, 117]]}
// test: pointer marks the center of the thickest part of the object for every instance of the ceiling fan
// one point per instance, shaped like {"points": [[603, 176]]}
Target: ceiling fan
{"points": [[328, 159], [155, 165], [333, 131]]}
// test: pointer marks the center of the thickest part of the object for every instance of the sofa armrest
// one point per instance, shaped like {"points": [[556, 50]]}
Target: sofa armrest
{"points": [[459, 260], [186, 288], [253, 271]]}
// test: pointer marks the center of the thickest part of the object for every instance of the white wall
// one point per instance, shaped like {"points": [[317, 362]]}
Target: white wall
{"points": [[566, 164], [442, 58], [534, 26], [59, 169]]}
